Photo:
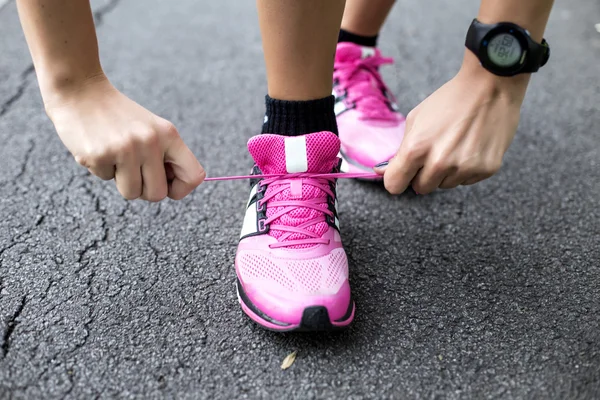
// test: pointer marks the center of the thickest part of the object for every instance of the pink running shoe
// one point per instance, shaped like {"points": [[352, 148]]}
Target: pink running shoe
{"points": [[292, 269], [371, 127]]}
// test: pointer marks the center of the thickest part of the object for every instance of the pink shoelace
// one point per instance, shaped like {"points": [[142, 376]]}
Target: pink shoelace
{"points": [[330, 175], [358, 76], [285, 181]]}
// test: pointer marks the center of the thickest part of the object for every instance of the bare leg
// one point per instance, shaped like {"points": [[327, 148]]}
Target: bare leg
{"points": [[366, 17], [299, 40]]}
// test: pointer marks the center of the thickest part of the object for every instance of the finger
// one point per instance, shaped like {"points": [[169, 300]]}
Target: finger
{"points": [[128, 178], [430, 177], [401, 170], [106, 172], [381, 167], [475, 179], [487, 170], [170, 173], [453, 180], [154, 178], [101, 166], [186, 170]]}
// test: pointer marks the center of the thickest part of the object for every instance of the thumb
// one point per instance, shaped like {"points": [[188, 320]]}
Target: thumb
{"points": [[184, 170], [381, 167]]}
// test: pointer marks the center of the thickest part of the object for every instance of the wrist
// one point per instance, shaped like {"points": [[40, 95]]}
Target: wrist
{"points": [[75, 92], [58, 86], [68, 90], [510, 88]]}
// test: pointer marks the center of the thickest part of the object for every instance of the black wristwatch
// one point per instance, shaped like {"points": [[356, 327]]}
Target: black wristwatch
{"points": [[506, 49]]}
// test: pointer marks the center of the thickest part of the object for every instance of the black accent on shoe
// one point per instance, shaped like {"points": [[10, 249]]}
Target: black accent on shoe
{"points": [[254, 309], [255, 171], [315, 318], [331, 199], [295, 118], [348, 311], [345, 36]]}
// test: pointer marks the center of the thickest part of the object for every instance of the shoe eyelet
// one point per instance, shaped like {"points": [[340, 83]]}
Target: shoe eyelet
{"points": [[349, 105], [260, 206], [262, 227]]}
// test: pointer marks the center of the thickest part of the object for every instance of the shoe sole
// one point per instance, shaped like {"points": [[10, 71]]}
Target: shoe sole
{"points": [[347, 162], [314, 318]]}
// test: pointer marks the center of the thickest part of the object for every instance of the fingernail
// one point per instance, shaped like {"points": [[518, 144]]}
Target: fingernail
{"points": [[382, 164]]}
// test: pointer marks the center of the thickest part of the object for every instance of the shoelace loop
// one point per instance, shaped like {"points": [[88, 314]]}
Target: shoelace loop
{"points": [[357, 74], [289, 205], [284, 181]]}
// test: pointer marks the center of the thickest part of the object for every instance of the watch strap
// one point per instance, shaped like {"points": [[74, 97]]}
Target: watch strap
{"points": [[475, 35]]}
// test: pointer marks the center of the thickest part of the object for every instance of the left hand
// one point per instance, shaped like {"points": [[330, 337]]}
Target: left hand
{"points": [[459, 134]]}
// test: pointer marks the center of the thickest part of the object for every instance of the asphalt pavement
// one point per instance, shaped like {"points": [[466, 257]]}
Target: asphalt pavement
{"points": [[490, 291]]}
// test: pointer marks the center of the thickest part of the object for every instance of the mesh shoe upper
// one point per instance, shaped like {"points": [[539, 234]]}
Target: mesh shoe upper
{"points": [[269, 153], [298, 261]]}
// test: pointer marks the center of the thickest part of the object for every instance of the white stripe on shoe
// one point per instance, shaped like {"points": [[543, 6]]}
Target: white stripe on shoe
{"points": [[296, 159]]}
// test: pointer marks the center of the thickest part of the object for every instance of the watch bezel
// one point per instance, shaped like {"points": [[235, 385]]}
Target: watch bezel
{"points": [[510, 29]]}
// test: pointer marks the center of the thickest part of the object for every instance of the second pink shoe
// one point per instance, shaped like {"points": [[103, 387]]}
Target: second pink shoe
{"points": [[370, 126]]}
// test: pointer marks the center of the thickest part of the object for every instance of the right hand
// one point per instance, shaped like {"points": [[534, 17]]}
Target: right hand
{"points": [[116, 138]]}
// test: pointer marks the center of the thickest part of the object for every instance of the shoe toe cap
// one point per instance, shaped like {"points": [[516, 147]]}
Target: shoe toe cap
{"points": [[283, 288]]}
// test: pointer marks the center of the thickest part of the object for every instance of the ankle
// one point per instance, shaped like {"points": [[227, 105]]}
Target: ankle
{"points": [[294, 118], [361, 40]]}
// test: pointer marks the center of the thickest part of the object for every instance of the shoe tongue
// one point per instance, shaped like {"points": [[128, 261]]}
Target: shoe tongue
{"points": [[349, 52], [277, 154]]}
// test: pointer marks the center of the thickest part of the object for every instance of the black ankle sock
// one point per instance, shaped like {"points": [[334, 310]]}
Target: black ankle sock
{"points": [[346, 36], [294, 118]]}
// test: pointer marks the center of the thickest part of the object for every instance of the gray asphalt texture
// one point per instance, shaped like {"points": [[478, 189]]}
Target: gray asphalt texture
{"points": [[489, 291]]}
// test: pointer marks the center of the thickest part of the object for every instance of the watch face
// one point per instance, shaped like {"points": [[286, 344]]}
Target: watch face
{"points": [[504, 50]]}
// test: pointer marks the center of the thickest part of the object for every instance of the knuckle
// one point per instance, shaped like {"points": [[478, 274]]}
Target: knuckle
{"points": [[421, 188], [149, 138], [492, 167], [467, 164], [414, 150], [391, 187], [198, 177], [444, 163], [157, 195], [127, 145], [93, 158], [168, 129], [449, 184], [155, 198], [440, 165], [103, 177], [82, 160], [177, 195], [129, 194]]}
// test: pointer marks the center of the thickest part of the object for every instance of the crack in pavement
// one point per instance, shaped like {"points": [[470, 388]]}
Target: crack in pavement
{"points": [[90, 314], [102, 11], [20, 238], [99, 15], [95, 242], [10, 327], [25, 162], [4, 107]]}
